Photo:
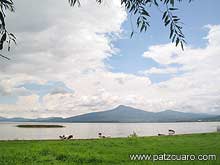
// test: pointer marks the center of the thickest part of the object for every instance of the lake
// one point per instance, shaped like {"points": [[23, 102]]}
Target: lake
{"points": [[9, 131]]}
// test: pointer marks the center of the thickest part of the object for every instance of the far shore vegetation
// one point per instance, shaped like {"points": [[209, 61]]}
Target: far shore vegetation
{"points": [[39, 126]]}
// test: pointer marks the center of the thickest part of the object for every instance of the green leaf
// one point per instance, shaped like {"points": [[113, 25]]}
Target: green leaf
{"points": [[3, 37], [7, 2], [4, 56], [171, 34], [166, 23], [164, 15], [132, 33], [2, 19], [177, 41], [171, 8], [144, 12], [182, 45]]}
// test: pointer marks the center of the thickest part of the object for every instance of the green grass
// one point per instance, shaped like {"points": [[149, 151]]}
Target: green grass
{"points": [[108, 151]]}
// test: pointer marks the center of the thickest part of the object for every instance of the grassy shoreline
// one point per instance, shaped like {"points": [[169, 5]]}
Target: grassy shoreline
{"points": [[108, 151], [97, 138]]}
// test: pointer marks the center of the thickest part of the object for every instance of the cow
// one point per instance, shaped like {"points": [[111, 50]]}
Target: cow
{"points": [[100, 135], [171, 132], [159, 134], [70, 137]]}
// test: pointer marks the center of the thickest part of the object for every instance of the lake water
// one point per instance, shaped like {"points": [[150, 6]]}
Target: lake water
{"points": [[9, 131]]}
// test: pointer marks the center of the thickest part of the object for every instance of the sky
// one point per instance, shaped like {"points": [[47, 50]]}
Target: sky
{"points": [[70, 61]]}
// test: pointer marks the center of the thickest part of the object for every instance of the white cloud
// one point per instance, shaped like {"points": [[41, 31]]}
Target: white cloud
{"points": [[154, 70], [70, 45], [213, 41], [198, 87], [26, 106]]}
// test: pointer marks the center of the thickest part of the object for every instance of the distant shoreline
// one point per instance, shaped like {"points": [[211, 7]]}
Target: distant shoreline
{"points": [[124, 137], [125, 114], [108, 122]]}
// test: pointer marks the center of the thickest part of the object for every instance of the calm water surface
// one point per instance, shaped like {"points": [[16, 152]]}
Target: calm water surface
{"points": [[9, 131]]}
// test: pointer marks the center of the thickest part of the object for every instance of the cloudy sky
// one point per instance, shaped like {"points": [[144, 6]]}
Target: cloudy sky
{"points": [[71, 61]]}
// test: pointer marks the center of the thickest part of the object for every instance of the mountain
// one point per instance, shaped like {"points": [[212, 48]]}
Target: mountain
{"points": [[215, 118], [128, 114], [2, 119], [49, 119], [125, 114], [119, 114], [17, 119]]}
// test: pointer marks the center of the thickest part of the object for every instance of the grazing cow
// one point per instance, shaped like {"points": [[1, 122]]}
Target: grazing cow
{"points": [[159, 134], [171, 132], [101, 136], [62, 137], [70, 137]]}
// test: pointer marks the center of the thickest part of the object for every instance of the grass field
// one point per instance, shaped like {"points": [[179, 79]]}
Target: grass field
{"points": [[109, 151]]}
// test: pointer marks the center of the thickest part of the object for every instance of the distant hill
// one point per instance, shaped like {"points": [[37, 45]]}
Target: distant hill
{"points": [[17, 119], [126, 114], [50, 119], [215, 118]]}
